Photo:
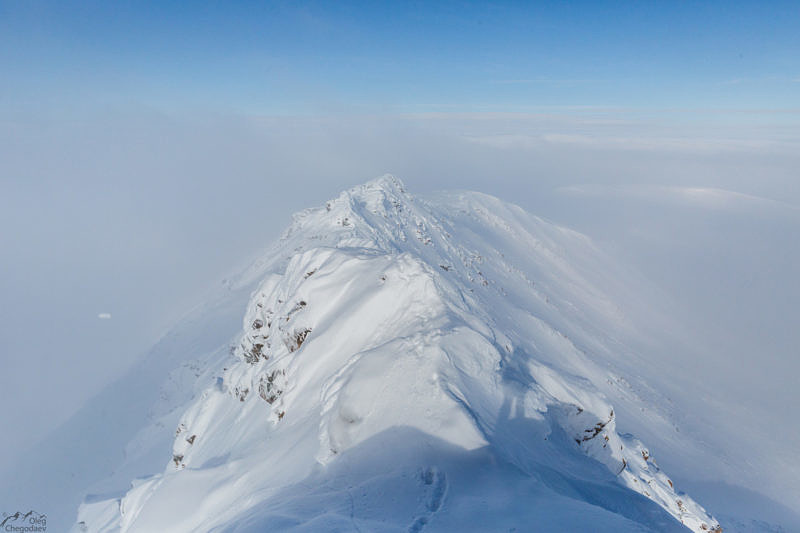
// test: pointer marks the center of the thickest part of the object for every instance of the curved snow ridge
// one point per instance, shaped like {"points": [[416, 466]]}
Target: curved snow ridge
{"points": [[461, 318]]}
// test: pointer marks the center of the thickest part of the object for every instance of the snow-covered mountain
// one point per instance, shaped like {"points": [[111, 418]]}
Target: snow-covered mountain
{"points": [[446, 364]]}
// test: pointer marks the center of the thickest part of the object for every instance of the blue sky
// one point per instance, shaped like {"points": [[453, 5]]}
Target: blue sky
{"points": [[351, 57]]}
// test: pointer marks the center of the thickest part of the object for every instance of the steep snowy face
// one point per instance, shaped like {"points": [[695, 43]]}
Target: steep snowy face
{"points": [[459, 322]]}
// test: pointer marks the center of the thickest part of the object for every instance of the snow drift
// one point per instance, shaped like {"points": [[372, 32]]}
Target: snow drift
{"points": [[445, 364]]}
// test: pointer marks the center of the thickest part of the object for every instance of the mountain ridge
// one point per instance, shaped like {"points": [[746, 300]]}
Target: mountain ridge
{"points": [[377, 286]]}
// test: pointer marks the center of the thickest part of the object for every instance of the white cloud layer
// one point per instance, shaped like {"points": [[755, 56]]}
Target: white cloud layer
{"points": [[703, 197], [689, 201], [666, 144]]}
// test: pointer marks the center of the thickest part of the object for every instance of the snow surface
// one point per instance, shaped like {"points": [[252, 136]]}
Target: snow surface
{"points": [[403, 364], [406, 365]]}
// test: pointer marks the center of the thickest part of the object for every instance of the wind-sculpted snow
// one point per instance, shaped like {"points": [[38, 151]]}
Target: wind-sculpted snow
{"points": [[410, 365]]}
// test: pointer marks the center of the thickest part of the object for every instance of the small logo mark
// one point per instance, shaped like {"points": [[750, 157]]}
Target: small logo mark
{"points": [[19, 522]]}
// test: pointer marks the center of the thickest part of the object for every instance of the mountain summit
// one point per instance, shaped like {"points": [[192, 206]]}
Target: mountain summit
{"points": [[406, 364]]}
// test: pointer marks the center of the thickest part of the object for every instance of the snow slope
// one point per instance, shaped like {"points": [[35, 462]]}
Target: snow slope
{"points": [[406, 364]]}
